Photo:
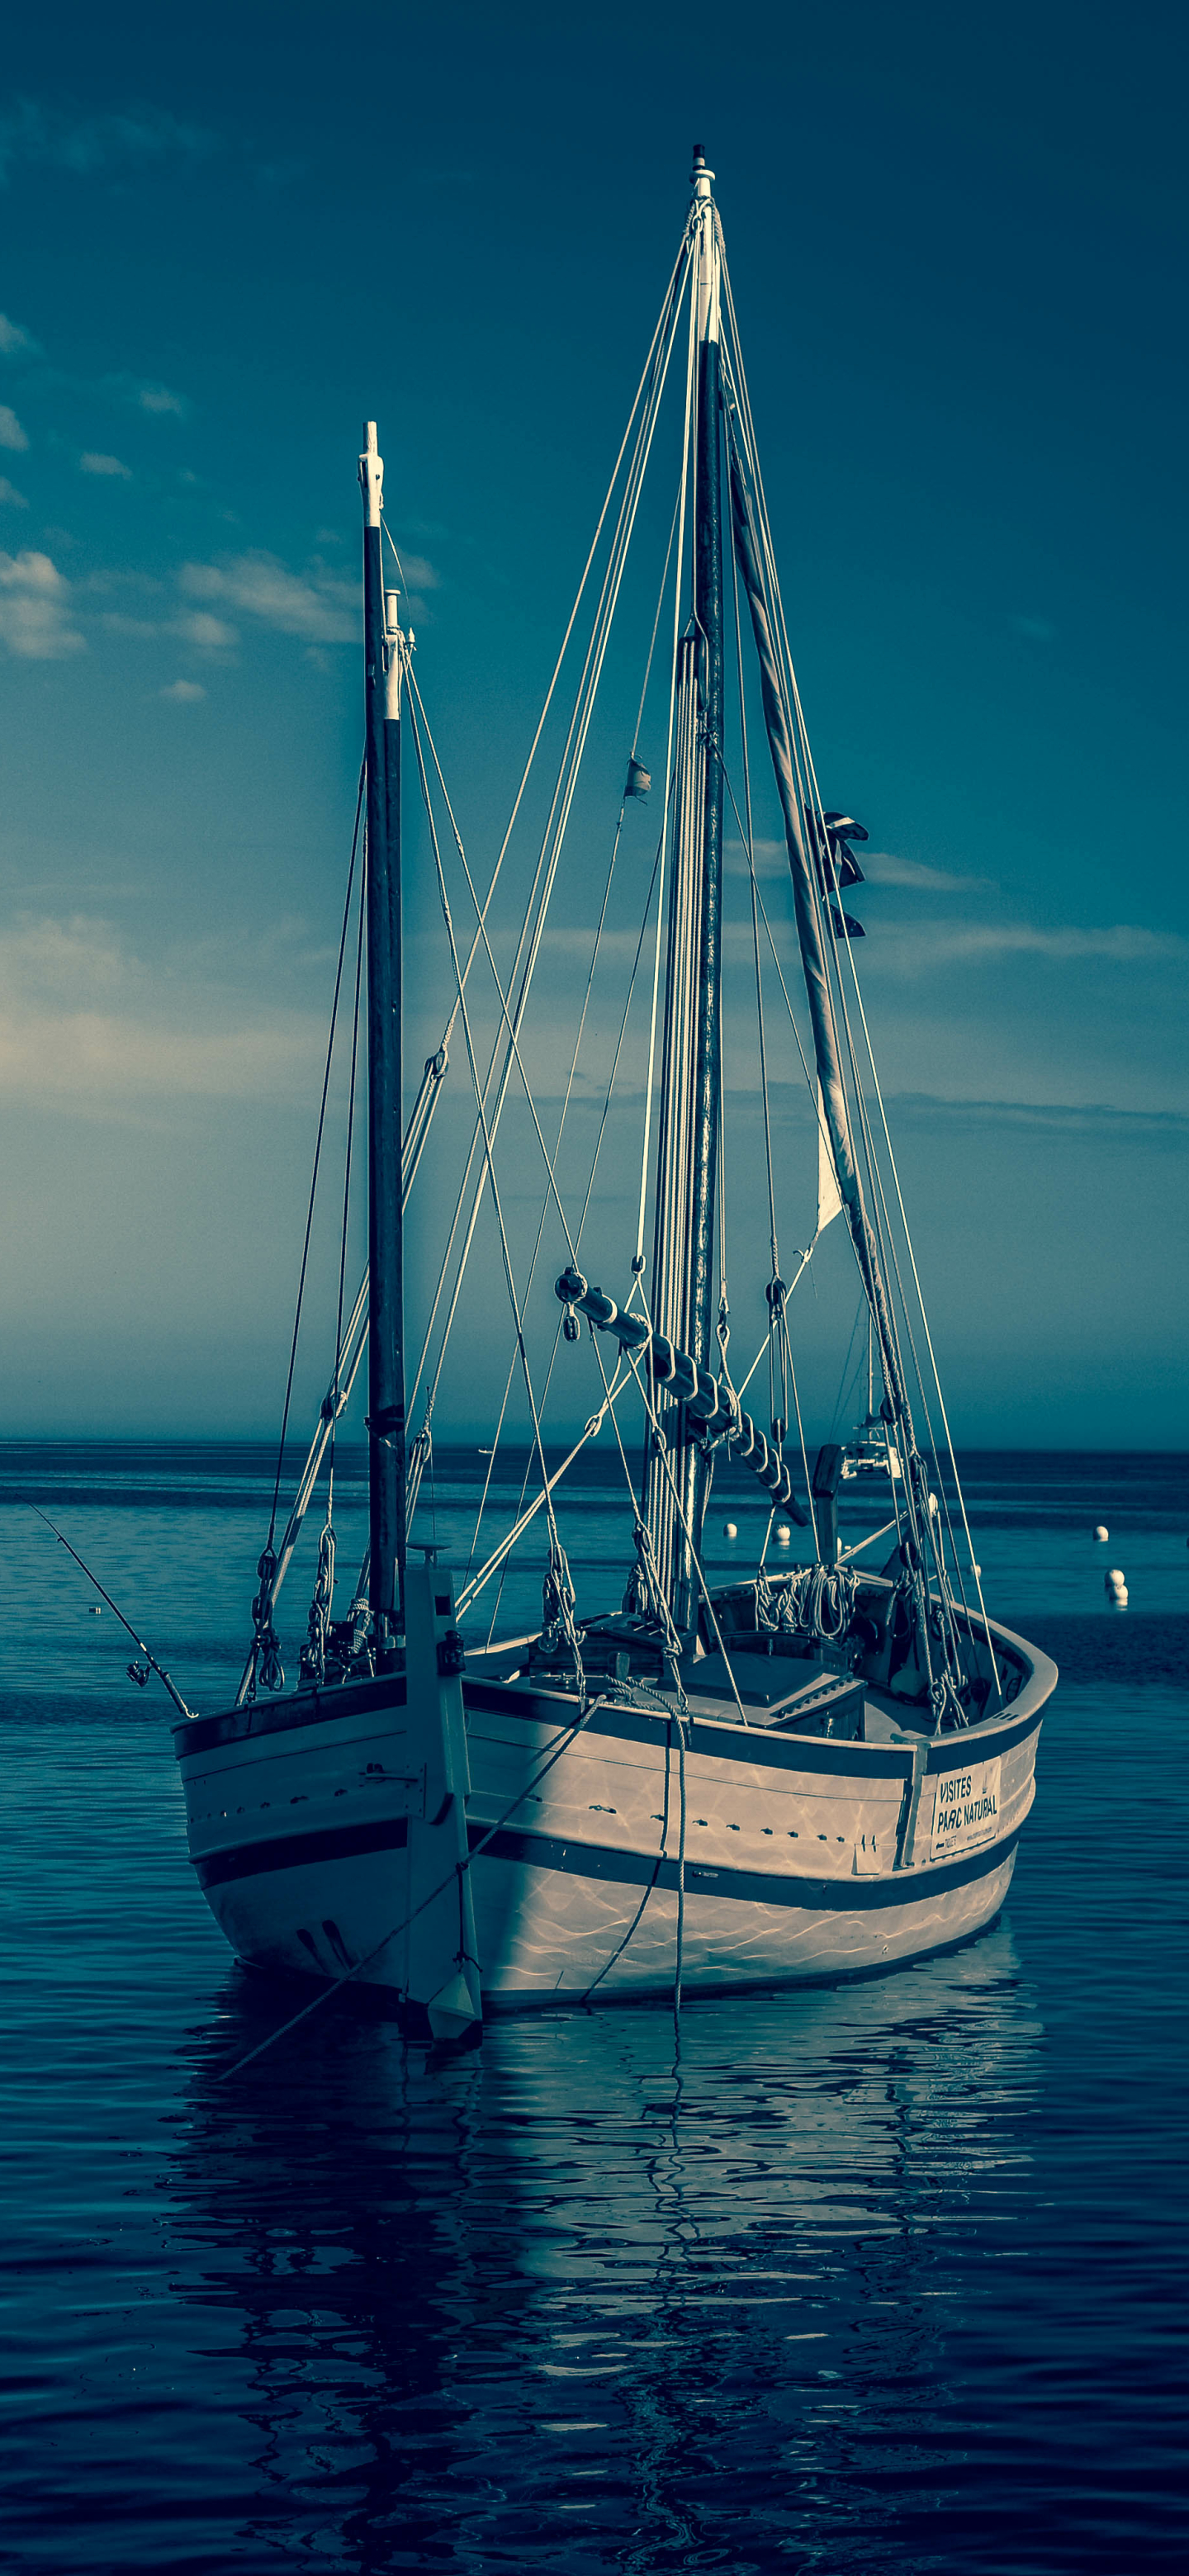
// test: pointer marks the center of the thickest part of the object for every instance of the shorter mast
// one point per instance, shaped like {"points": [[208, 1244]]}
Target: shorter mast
{"points": [[386, 1393]]}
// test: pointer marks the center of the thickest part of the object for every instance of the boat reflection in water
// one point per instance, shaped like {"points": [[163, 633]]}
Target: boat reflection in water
{"points": [[471, 2302]]}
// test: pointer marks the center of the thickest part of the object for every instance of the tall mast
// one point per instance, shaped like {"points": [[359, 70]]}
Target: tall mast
{"points": [[683, 1286], [708, 601], [386, 1376]]}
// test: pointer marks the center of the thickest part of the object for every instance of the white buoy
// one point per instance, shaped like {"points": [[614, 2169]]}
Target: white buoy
{"points": [[783, 1533], [730, 1529], [1100, 1532], [1116, 1587]]}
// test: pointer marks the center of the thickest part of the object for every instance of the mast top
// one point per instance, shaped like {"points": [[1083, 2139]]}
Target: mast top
{"points": [[706, 231], [371, 477]]}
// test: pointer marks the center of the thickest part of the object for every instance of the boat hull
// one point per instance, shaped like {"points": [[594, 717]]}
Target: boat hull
{"points": [[802, 1859]]}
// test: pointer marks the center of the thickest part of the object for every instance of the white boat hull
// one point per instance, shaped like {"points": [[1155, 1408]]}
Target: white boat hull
{"points": [[804, 1858]]}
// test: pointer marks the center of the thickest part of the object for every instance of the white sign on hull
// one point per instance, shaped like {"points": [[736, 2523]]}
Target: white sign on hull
{"points": [[965, 1809]]}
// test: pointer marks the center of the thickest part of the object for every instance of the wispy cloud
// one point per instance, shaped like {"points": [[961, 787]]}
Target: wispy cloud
{"points": [[11, 433], [144, 393], [317, 605], [208, 634], [183, 693], [34, 612], [196, 627], [771, 858], [880, 867], [1094, 1118], [33, 136], [419, 573], [1037, 630], [919, 947], [10, 496], [15, 341], [84, 1022], [884, 867], [162, 399], [90, 462]]}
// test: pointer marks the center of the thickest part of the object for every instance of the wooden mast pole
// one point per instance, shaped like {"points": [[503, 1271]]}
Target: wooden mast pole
{"points": [[708, 614], [386, 1393]]}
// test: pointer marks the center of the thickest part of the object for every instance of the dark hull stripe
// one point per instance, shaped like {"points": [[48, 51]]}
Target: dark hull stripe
{"points": [[296, 1851], [290, 1709], [624, 1868], [746, 1886]]}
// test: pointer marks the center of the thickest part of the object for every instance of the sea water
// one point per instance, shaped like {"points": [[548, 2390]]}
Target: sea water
{"points": [[887, 2276]]}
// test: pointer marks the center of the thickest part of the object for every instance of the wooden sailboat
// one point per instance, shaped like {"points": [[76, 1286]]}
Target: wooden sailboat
{"points": [[805, 1774]]}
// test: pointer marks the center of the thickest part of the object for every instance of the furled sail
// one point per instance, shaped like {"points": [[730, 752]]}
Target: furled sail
{"points": [[831, 1089], [829, 1197], [831, 1092]]}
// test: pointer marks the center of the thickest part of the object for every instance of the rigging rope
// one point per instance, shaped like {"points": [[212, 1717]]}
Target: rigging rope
{"points": [[562, 1590], [264, 1655], [559, 1746], [921, 1520], [528, 947]]}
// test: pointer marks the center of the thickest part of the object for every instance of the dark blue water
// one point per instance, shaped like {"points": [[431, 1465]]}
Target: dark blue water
{"points": [[888, 2277]]}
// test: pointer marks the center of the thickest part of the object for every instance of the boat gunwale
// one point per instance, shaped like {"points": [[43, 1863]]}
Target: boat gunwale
{"points": [[777, 1748]]}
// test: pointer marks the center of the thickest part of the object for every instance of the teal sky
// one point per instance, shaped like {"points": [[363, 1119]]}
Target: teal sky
{"points": [[958, 256]]}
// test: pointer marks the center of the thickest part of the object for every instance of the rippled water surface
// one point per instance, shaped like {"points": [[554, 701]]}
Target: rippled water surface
{"points": [[885, 2277]]}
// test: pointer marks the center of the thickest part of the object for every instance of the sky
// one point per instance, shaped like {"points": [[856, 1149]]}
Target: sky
{"points": [[229, 235]]}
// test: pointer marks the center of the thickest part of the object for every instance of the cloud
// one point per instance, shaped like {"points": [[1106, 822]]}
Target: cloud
{"points": [[771, 858], [184, 693], [11, 433], [1097, 1118], [917, 947], [91, 463], [144, 393], [196, 627], [159, 398], [84, 1022], [209, 634], [318, 606], [32, 136], [419, 573], [9, 494], [15, 341], [114, 621], [34, 618], [882, 867], [1037, 629]]}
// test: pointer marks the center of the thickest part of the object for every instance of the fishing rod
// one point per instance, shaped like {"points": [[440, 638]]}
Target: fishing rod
{"points": [[135, 1673]]}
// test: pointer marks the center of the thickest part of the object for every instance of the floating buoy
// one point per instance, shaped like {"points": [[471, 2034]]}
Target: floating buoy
{"points": [[1116, 1587], [1100, 1532], [730, 1529], [783, 1533]]}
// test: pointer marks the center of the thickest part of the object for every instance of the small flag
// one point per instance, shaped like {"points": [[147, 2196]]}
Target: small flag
{"points": [[845, 927], [639, 779]]}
